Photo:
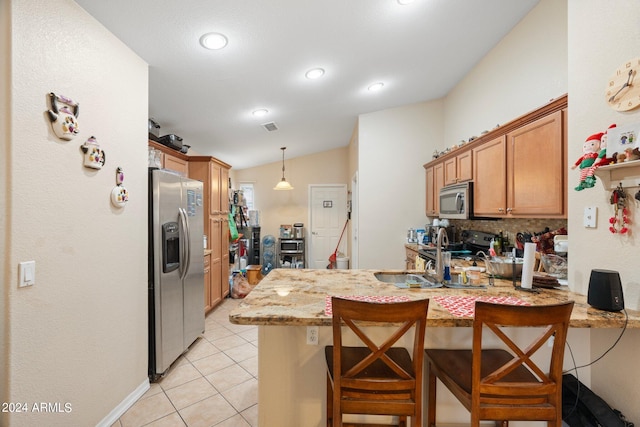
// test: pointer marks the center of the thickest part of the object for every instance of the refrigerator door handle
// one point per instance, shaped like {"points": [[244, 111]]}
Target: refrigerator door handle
{"points": [[185, 253]]}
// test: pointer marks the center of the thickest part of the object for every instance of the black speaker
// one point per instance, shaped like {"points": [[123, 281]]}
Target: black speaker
{"points": [[605, 290]]}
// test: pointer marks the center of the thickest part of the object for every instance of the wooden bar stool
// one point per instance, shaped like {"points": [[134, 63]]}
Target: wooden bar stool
{"points": [[501, 385], [376, 379]]}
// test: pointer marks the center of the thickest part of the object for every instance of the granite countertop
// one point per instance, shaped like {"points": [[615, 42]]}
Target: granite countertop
{"points": [[296, 297]]}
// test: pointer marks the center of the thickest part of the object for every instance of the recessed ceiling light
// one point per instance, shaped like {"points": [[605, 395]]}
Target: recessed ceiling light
{"points": [[375, 86], [403, 2], [314, 73], [213, 41], [260, 112]]}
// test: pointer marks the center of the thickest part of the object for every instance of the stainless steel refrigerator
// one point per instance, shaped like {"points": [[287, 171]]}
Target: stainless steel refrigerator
{"points": [[176, 267]]}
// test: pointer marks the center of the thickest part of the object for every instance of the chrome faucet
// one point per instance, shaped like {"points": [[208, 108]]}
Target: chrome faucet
{"points": [[441, 240]]}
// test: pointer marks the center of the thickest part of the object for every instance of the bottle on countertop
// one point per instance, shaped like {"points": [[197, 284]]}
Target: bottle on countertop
{"points": [[497, 244], [446, 261]]}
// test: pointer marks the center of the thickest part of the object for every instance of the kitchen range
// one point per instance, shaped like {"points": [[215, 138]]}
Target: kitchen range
{"points": [[472, 242]]}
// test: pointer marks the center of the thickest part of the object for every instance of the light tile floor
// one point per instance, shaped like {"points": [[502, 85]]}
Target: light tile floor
{"points": [[214, 384]]}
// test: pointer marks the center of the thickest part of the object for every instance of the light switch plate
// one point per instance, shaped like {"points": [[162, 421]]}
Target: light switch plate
{"points": [[27, 274], [590, 216]]}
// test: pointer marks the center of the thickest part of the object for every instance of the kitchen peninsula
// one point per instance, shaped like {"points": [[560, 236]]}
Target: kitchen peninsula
{"points": [[292, 373]]}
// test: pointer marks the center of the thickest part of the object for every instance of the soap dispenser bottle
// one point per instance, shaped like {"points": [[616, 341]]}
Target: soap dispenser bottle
{"points": [[446, 261]]}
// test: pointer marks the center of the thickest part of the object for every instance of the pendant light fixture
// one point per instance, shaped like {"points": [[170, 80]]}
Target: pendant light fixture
{"points": [[283, 184]]}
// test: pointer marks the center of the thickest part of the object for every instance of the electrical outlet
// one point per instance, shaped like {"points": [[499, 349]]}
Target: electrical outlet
{"points": [[590, 216], [312, 335]]}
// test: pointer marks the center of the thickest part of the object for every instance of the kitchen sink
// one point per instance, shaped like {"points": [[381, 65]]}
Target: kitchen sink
{"points": [[406, 280], [411, 280]]}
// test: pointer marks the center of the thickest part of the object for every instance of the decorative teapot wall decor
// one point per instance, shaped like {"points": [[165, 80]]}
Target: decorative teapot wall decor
{"points": [[119, 194], [64, 119], [94, 157]]}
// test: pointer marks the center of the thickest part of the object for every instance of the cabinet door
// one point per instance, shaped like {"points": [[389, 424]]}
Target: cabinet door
{"points": [[464, 166], [215, 225], [410, 260], [490, 176], [434, 182], [214, 177], [438, 179], [535, 155], [207, 283], [430, 208], [224, 190], [224, 264], [176, 164], [216, 283], [458, 168], [450, 171]]}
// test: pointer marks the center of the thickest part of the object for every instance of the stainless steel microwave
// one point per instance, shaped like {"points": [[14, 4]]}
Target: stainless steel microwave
{"points": [[291, 246], [456, 201]]}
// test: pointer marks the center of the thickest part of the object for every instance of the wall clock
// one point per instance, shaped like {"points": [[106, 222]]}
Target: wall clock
{"points": [[623, 87]]}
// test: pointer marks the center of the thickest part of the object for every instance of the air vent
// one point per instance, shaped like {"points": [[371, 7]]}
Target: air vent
{"points": [[270, 127]]}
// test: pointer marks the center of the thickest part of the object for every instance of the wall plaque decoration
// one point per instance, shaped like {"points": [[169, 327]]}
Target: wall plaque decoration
{"points": [[119, 194], [94, 156], [63, 116]]}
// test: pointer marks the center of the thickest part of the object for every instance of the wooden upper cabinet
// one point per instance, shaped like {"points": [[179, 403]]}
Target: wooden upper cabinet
{"points": [[489, 178], [522, 174], [536, 168], [224, 190], [214, 177], [434, 182], [519, 169], [459, 168], [176, 164]]}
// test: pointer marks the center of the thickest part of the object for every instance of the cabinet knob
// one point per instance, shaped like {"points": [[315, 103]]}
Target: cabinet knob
{"points": [[509, 209], [500, 210]]}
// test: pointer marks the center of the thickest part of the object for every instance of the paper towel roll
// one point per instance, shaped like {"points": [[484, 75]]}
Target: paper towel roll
{"points": [[527, 266]]}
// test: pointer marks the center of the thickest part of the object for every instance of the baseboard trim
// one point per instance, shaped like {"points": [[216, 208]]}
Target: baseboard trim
{"points": [[123, 406]]}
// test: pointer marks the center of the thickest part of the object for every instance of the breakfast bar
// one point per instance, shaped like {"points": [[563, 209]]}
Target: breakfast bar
{"points": [[291, 389]]}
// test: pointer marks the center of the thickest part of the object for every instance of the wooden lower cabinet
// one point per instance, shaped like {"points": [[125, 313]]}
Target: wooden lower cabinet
{"points": [[224, 264], [207, 283], [215, 176], [410, 260]]}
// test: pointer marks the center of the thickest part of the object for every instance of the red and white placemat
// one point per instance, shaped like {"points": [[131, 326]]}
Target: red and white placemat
{"points": [[367, 298], [464, 306]]}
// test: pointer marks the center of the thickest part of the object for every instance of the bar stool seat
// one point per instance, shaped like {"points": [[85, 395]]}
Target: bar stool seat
{"points": [[378, 378], [499, 384]]}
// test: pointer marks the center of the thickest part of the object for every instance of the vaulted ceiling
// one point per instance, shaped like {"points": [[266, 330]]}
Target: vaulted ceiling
{"points": [[419, 51]]}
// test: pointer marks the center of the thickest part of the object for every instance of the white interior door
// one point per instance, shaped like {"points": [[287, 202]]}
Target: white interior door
{"points": [[327, 216]]}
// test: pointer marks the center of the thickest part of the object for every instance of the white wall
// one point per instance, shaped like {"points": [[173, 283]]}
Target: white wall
{"points": [[5, 104], [288, 207], [601, 37], [393, 146], [79, 336], [525, 70]]}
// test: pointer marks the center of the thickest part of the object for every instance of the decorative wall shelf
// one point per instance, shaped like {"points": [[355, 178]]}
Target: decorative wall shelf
{"points": [[625, 173]]}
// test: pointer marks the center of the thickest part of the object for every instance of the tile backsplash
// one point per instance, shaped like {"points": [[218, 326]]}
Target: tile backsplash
{"points": [[509, 227]]}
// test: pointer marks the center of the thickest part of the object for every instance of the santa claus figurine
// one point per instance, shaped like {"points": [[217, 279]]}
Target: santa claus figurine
{"points": [[590, 151]]}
